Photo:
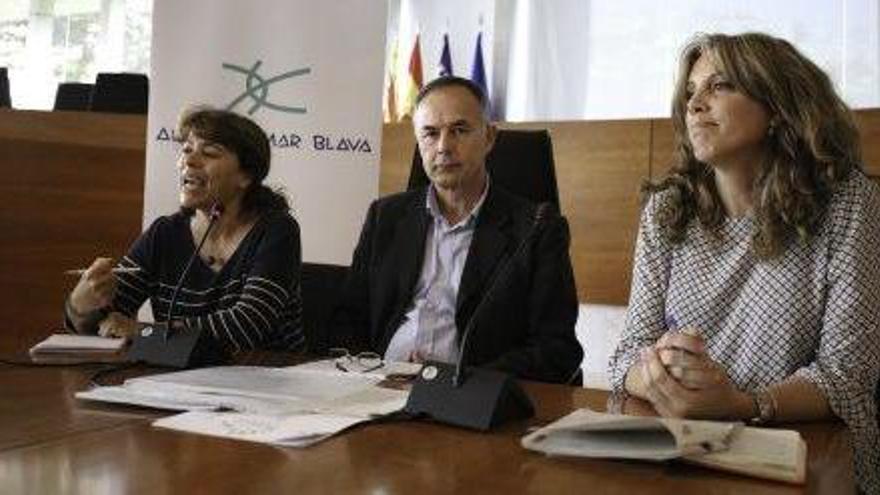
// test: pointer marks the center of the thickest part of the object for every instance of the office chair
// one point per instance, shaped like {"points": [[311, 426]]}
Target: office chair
{"points": [[120, 93], [320, 285], [73, 96], [5, 99], [521, 162]]}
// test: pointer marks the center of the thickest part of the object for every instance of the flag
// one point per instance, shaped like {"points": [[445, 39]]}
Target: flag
{"points": [[445, 58], [389, 107], [413, 83], [478, 72]]}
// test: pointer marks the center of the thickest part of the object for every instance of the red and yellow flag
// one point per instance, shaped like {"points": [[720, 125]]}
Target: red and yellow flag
{"points": [[413, 83]]}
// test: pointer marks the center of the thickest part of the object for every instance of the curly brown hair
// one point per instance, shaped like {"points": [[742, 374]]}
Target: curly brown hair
{"points": [[813, 145]]}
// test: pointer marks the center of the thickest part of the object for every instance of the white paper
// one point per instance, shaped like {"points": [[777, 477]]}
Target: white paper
{"points": [[290, 431], [313, 388], [769, 453], [182, 400], [266, 382]]}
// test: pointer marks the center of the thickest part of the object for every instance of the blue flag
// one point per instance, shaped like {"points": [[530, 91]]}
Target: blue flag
{"points": [[445, 58], [478, 72]]}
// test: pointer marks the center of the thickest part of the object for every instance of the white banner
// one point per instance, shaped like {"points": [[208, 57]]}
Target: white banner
{"points": [[309, 72]]}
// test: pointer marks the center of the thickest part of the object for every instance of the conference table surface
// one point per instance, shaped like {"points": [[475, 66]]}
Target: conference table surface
{"points": [[51, 442]]}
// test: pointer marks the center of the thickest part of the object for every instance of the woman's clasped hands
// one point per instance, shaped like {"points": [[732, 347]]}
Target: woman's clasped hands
{"points": [[680, 379]]}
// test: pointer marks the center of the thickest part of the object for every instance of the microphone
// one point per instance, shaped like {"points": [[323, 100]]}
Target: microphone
{"points": [[214, 214], [540, 216], [477, 398], [159, 344]]}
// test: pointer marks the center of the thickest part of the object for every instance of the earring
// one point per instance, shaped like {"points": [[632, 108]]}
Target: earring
{"points": [[771, 129]]}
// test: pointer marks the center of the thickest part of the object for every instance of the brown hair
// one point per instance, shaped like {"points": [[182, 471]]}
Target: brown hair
{"points": [[812, 145], [248, 141]]}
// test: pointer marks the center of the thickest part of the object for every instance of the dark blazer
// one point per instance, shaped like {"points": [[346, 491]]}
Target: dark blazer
{"points": [[528, 326]]}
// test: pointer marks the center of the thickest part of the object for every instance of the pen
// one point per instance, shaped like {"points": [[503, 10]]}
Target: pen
{"points": [[118, 269]]}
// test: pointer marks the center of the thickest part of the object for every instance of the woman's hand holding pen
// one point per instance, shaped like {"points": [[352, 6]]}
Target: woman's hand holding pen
{"points": [[681, 380], [96, 287]]}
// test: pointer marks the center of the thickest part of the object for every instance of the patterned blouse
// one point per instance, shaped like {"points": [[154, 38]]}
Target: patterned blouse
{"points": [[813, 312]]}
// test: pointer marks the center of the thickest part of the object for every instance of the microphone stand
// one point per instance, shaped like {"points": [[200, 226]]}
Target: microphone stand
{"points": [[161, 345], [485, 398], [214, 215], [540, 216]]}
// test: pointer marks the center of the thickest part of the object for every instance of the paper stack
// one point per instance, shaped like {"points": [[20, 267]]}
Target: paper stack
{"points": [[294, 406]]}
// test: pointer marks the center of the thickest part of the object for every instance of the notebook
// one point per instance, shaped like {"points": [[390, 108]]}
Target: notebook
{"points": [[69, 348], [760, 452]]}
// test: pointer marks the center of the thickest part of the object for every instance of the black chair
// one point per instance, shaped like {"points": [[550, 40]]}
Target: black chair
{"points": [[121, 93], [5, 99], [521, 162], [73, 96], [320, 285]]}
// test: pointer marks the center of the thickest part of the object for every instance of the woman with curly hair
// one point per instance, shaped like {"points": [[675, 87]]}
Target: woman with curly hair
{"points": [[756, 285], [243, 289]]}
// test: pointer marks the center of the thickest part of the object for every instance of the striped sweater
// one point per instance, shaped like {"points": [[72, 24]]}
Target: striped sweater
{"points": [[254, 302]]}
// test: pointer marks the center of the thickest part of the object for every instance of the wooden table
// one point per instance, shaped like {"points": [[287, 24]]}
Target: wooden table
{"points": [[52, 443]]}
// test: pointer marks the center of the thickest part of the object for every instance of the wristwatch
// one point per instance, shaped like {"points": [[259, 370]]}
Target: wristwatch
{"points": [[765, 405]]}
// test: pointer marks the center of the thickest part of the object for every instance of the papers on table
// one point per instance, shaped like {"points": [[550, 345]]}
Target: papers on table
{"points": [[69, 348], [293, 406], [296, 430]]}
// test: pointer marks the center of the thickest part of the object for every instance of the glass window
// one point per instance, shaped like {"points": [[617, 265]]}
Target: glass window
{"points": [[46, 42]]}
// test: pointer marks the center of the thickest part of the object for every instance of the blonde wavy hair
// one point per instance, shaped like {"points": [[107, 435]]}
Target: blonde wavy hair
{"points": [[813, 143]]}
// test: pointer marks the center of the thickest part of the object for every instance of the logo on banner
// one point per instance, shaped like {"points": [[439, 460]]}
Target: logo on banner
{"points": [[257, 88], [256, 95]]}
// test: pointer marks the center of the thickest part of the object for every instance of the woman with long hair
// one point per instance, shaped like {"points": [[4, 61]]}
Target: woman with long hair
{"points": [[756, 285]]}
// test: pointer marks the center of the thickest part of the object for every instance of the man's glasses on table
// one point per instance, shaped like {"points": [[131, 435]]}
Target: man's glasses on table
{"points": [[362, 362]]}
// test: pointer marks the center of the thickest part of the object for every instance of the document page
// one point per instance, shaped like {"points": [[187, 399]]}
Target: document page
{"points": [[763, 452], [291, 431], [250, 389], [264, 382], [293, 406]]}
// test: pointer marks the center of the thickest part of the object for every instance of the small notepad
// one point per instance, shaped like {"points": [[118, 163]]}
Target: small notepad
{"points": [[76, 348]]}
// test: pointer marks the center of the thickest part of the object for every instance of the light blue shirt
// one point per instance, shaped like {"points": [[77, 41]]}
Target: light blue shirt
{"points": [[428, 331]]}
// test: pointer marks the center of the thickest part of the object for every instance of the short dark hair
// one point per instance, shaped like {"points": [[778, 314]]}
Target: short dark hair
{"points": [[446, 81], [247, 140]]}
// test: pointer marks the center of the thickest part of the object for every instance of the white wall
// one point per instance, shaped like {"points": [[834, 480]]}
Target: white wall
{"points": [[608, 59], [632, 46]]}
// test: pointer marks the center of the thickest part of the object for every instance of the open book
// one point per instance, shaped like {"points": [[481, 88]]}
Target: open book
{"points": [[761, 452], [70, 349]]}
